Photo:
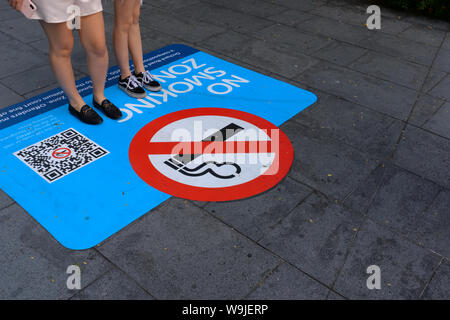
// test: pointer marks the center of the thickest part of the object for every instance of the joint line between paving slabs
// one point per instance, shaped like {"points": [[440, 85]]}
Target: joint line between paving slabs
{"points": [[266, 249], [416, 101], [431, 278]]}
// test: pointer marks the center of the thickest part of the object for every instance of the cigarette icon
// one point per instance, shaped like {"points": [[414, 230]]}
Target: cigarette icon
{"points": [[180, 161]]}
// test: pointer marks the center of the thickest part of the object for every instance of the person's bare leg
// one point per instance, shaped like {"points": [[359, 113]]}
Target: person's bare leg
{"points": [[135, 41], [92, 36], [60, 40], [123, 19]]}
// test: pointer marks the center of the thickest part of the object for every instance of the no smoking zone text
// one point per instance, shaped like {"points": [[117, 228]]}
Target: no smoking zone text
{"points": [[203, 74]]}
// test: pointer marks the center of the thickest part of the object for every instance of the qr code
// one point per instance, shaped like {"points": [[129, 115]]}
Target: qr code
{"points": [[60, 155]]}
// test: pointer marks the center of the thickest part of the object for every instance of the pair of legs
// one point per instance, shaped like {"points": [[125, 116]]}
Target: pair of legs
{"points": [[92, 36], [127, 36]]}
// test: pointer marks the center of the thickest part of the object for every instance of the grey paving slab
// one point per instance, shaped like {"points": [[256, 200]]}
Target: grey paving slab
{"points": [[405, 267], [329, 166], [18, 57], [402, 48], [393, 13], [237, 61], [334, 296], [224, 17], [108, 6], [180, 26], [412, 206], [348, 14], [380, 95], [430, 23], [335, 29], [291, 17], [228, 43], [23, 29], [256, 216], [8, 97], [392, 25], [441, 88], [33, 265], [41, 90], [340, 53], [304, 5], [315, 237], [367, 130], [439, 122], [153, 40], [288, 283], [5, 200], [114, 285], [434, 232], [424, 109], [251, 7], [40, 45], [295, 83], [260, 54], [442, 61], [5, 5], [109, 27], [171, 4], [358, 4], [290, 40], [424, 34], [434, 77], [425, 154], [446, 42], [405, 73], [31, 80], [4, 37], [180, 252], [362, 195], [438, 288], [6, 13], [231, 49]]}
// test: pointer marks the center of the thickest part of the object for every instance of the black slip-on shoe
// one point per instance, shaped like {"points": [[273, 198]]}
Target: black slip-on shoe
{"points": [[131, 86], [147, 81], [110, 110], [86, 115]]}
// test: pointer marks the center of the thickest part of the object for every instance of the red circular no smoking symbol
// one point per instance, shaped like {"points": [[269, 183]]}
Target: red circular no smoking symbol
{"points": [[61, 153], [223, 155]]}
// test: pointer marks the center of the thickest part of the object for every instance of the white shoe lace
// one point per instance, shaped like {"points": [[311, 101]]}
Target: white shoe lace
{"points": [[133, 82], [148, 77]]}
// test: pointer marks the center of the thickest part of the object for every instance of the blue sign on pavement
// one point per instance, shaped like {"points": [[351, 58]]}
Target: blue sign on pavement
{"points": [[76, 179]]}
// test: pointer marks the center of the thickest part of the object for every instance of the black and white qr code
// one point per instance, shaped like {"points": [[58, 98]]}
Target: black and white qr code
{"points": [[60, 155]]}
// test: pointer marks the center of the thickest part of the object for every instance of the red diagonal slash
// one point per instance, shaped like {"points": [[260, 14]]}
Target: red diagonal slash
{"points": [[61, 153], [208, 147]]}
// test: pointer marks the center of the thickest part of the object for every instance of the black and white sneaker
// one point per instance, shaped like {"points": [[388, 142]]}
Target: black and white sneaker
{"points": [[147, 81], [131, 86]]}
